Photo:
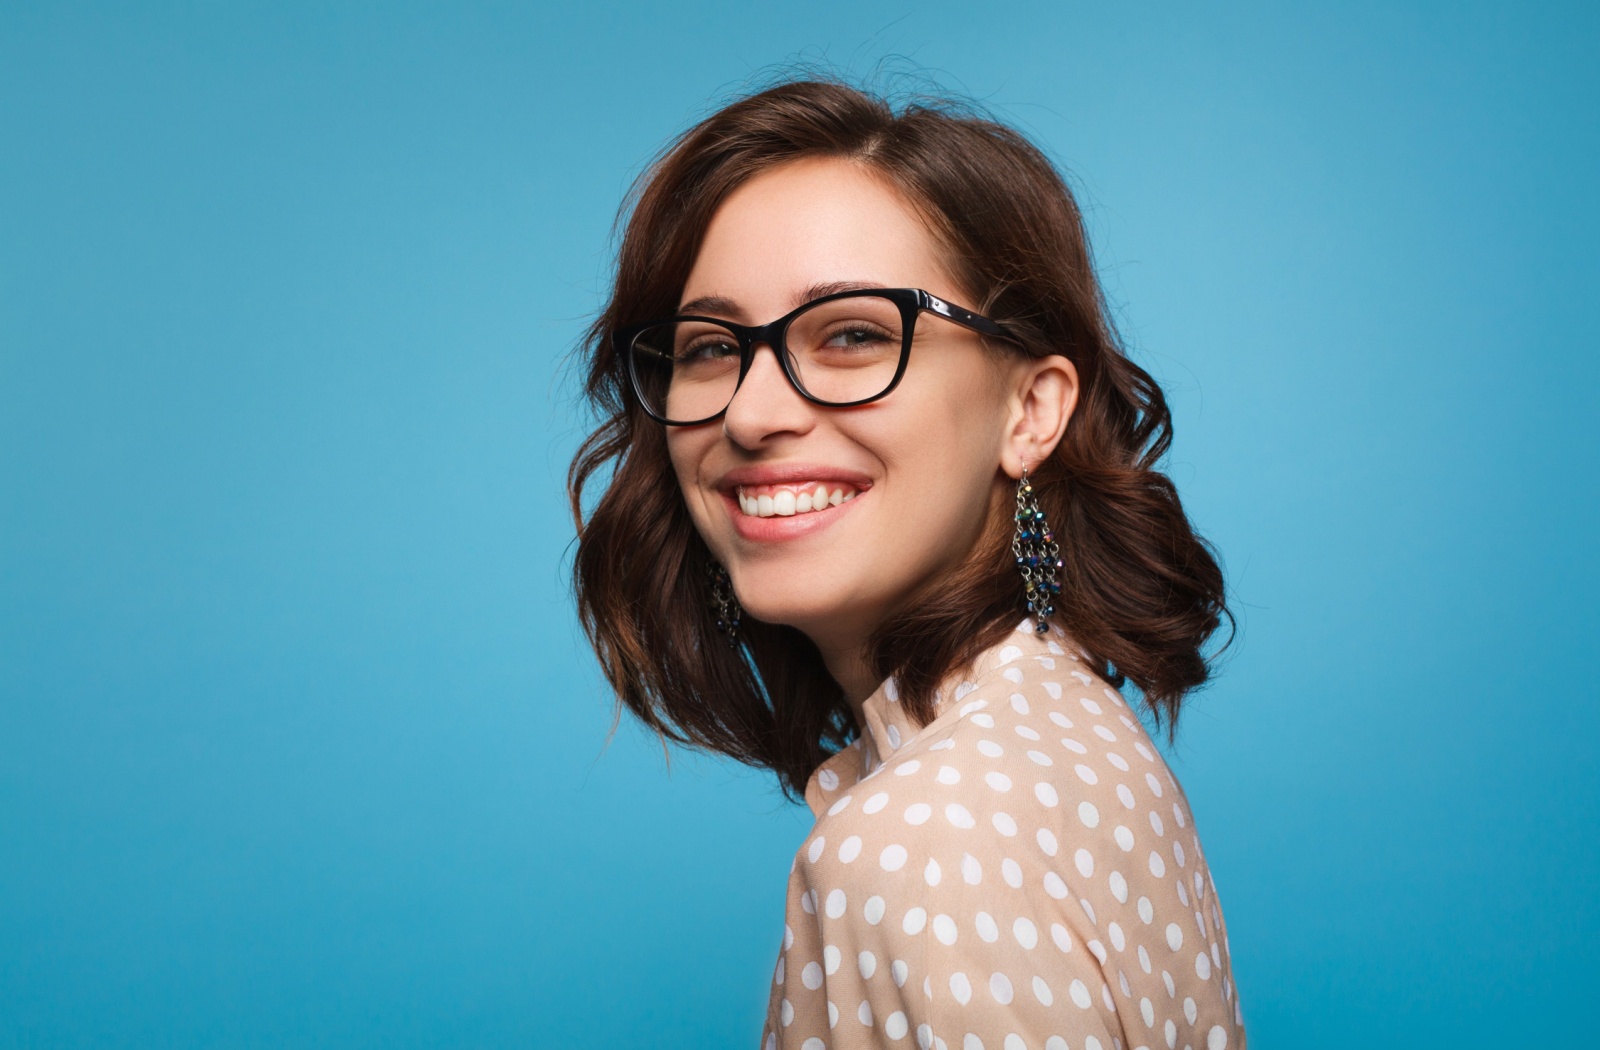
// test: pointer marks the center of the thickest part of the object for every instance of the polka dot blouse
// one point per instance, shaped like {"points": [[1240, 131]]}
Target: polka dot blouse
{"points": [[1023, 873]]}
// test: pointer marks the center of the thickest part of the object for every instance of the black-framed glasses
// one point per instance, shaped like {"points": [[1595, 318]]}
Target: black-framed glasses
{"points": [[840, 350]]}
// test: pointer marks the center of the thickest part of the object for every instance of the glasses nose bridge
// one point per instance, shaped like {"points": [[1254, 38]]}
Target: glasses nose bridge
{"points": [[772, 336]]}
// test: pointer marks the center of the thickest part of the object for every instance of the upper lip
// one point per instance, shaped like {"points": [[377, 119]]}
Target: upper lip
{"points": [[784, 473]]}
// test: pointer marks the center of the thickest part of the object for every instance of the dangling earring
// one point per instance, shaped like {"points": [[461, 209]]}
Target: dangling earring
{"points": [[1038, 555], [724, 603]]}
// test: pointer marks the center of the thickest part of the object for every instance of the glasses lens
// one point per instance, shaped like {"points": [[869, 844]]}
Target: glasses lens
{"points": [[686, 370], [847, 349]]}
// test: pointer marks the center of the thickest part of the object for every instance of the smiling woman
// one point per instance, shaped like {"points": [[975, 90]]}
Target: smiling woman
{"points": [[883, 518]]}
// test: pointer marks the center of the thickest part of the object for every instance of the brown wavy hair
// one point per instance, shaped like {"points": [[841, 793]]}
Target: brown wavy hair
{"points": [[1141, 592]]}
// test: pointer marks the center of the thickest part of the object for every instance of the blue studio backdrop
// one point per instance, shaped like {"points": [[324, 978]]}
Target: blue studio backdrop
{"points": [[300, 745]]}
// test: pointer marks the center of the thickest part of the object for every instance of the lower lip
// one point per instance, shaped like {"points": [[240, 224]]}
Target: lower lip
{"points": [[784, 527]]}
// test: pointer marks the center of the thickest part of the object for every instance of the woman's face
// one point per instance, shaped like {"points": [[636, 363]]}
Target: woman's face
{"points": [[918, 470]]}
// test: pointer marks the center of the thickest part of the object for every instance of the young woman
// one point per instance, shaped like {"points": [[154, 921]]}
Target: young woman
{"points": [[882, 516]]}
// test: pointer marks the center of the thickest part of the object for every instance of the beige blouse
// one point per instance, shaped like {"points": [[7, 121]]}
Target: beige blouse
{"points": [[1023, 873]]}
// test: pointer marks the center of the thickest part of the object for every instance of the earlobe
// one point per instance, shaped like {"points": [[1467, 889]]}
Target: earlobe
{"points": [[1043, 401]]}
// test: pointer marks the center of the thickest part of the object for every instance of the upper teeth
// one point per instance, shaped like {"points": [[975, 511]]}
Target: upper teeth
{"points": [[765, 501]]}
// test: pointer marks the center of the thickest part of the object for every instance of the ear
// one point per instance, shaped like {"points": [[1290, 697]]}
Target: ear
{"points": [[1043, 393]]}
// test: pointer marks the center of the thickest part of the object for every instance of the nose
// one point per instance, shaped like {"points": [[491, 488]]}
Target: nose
{"points": [[766, 403]]}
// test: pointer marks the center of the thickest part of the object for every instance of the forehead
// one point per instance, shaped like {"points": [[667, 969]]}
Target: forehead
{"points": [[813, 222]]}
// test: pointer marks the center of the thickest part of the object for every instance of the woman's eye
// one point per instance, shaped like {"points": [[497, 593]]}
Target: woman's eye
{"points": [[848, 337], [707, 350]]}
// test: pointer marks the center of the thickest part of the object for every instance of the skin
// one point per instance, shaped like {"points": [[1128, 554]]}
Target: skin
{"points": [[930, 461]]}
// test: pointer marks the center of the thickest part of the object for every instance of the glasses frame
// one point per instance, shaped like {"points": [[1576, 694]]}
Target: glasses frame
{"points": [[911, 301]]}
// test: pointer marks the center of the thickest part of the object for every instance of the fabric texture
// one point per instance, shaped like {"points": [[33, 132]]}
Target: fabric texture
{"points": [[1023, 873]]}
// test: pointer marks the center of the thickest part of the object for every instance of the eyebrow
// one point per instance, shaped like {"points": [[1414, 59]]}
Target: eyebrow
{"points": [[722, 306]]}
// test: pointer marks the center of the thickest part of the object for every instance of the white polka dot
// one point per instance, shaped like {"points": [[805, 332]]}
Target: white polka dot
{"points": [[1144, 752], [1174, 936], [1012, 674], [1026, 933], [1146, 912], [1000, 988], [893, 857], [1158, 867], [1144, 959], [1014, 1042], [961, 988], [1011, 871], [1202, 966], [873, 912], [990, 749], [864, 1013], [1170, 1030], [1117, 760], [905, 769], [1103, 733], [1087, 775], [1124, 837], [983, 720], [1040, 758], [875, 803], [835, 906], [1085, 862], [1088, 909], [987, 928], [1041, 991], [1119, 941], [777, 975], [814, 853], [944, 928], [1054, 689], [1119, 887], [958, 815], [1155, 785], [811, 976], [1190, 1010], [895, 1026], [1019, 703], [867, 963], [931, 872], [1080, 994], [899, 971], [828, 779], [1125, 796], [1177, 815], [918, 813], [1054, 886], [1010, 654], [914, 921], [850, 849], [1060, 719], [971, 870], [948, 775], [1047, 842], [893, 734], [786, 1012], [1090, 706], [1026, 732], [808, 902], [1046, 793], [1003, 823], [1088, 814], [840, 806], [831, 957], [1177, 853], [1073, 746], [1217, 1038], [788, 937], [1155, 823]]}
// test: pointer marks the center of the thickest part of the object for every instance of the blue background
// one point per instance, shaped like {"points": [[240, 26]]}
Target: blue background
{"points": [[299, 744]]}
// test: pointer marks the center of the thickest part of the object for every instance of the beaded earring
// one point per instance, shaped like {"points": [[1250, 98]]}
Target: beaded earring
{"points": [[724, 603], [1038, 555]]}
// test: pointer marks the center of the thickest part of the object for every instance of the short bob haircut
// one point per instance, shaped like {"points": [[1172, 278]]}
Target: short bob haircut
{"points": [[1140, 591]]}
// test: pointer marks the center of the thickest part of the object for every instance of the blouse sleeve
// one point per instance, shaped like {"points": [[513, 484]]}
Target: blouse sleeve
{"points": [[1001, 891]]}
